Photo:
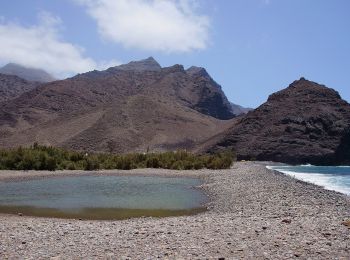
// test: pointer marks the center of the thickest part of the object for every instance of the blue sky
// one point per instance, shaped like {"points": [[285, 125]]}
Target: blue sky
{"points": [[250, 47]]}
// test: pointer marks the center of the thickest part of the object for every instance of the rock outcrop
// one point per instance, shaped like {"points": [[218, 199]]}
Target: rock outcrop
{"points": [[210, 99], [304, 123]]}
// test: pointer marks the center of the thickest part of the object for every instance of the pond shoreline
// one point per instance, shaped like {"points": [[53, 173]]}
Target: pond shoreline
{"points": [[253, 213], [9, 175]]}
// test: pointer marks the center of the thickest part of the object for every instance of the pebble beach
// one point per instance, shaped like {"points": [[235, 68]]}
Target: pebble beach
{"points": [[252, 213]]}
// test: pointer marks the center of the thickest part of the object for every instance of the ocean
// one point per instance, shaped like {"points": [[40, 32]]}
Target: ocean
{"points": [[335, 178]]}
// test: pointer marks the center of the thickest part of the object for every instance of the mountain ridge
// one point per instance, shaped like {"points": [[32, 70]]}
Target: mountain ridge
{"points": [[134, 108], [141, 106]]}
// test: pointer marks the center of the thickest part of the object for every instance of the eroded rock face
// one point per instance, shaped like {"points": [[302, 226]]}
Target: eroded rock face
{"points": [[211, 100], [132, 107], [304, 123]]}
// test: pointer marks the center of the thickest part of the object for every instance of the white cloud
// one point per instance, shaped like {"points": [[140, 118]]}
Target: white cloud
{"points": [[40, 46], [153, 25]]}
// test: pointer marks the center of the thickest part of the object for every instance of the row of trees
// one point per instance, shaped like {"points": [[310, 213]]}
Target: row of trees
{"points": [[39, 157]]}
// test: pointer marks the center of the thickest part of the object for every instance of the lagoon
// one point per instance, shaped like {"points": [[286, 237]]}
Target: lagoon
{"points": [[103, 197]]}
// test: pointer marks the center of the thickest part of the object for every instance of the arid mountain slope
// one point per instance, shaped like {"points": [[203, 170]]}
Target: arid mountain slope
{"points": [[133, 107], [12, 86], [29, 74], [304, 123]]}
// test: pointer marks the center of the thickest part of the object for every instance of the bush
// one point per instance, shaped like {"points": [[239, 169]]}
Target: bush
{"points": [[38, 157], [92, 164], [178, 165], [70, 166], [153, 162]]}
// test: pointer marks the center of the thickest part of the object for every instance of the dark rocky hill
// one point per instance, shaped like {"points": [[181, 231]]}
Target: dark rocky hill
{"points": [[133, 107], [304, 123], [12, 86], [29, 74]]}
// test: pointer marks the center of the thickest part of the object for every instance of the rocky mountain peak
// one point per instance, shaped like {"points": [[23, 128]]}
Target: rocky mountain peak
{"points": [[175, 68], [149, 64], [197, 71], [304, 88]]}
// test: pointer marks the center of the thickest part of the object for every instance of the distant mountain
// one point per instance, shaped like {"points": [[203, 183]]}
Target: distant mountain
{"points": [[239, 110], [304, 123], [132, 107], [12, 86], [26, 73]]}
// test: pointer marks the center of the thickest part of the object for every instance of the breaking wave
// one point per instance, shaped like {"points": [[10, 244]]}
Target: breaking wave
{"points": [[335, 178]]}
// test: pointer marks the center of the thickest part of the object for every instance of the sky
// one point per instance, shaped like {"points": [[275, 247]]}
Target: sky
{"points": [[252, 48]]}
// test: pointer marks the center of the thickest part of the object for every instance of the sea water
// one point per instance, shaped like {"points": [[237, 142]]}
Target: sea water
{"points": [[335, 178], [102, 197]]}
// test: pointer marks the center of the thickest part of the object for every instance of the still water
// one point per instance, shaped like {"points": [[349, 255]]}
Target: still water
{"points": [[102, 197]]}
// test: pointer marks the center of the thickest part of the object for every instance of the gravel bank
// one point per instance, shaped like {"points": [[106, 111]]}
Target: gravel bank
{"points": [[254, 213]]}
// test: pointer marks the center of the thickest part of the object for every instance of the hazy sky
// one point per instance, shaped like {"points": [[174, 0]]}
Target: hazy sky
{"points": [[251, 47]]}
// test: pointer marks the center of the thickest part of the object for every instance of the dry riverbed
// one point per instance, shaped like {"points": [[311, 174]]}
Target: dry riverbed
{"points": [[254, 213]]}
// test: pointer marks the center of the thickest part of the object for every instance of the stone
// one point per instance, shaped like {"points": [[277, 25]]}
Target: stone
{"points": [[244, 188], [303, 123]]}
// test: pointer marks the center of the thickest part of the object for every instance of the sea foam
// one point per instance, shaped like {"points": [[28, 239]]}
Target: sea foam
{"points": [[335, 178]]}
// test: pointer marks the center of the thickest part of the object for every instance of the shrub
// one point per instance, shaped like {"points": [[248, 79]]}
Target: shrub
{"points": [[91, 164], [70, 166], [153, 162], [178, 165], [38, 157]]}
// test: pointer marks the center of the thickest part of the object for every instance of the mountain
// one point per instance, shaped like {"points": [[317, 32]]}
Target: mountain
{"points": [[239, 110], [12, 86], [132, 107], [29, 74], [304, 123], [207, 96]]}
